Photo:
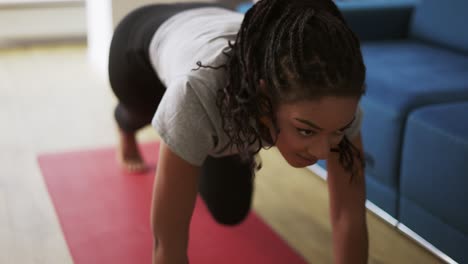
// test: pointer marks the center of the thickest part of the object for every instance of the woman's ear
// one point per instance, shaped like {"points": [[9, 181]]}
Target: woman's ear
{"points": [[261, 82], [266, 121], [262, 86], [263, 90]]}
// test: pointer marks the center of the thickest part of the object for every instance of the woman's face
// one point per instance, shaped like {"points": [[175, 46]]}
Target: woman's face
{"points": [[309, 129]]}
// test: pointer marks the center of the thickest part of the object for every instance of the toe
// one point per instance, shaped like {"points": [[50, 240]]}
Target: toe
{"points": [[136, 167]]}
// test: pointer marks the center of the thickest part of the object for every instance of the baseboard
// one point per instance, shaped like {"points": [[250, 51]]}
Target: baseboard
{"points": [[41, 21]]}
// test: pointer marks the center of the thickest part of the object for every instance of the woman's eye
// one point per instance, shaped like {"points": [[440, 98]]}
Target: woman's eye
{"points": [[339, 134], [306, 132]]}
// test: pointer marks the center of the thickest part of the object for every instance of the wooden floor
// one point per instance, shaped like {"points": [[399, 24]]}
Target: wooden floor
{"points": [[51, 101]]}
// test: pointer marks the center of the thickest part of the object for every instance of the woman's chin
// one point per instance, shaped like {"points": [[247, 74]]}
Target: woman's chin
{"points": [[298, 162]]}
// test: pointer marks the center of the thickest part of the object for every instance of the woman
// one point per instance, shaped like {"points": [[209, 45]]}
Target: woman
{"points": [[218, 86]]}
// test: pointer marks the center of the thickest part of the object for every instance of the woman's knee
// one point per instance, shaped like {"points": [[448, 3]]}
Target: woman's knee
{"points": [[130, 121], [231, 216], [229, 212]]}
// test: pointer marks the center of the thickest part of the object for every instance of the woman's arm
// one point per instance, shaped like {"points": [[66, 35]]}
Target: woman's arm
{"points": [[174, 193], [348, 211]]}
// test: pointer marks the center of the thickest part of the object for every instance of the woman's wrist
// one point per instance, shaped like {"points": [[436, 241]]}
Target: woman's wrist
{"points": [[161, 256]]}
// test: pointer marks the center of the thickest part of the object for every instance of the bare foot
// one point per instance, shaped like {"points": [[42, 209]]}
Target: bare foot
{"points": [[129, 155]]}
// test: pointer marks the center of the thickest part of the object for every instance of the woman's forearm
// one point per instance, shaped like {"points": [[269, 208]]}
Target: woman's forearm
{"points": [[348, 210], [350, 242], [174, 194], [169, 233], [162, 257], [170, 247]]}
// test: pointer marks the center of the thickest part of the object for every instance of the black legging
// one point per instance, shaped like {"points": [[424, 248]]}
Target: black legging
{"points": [[131, 74], [226, 183]]}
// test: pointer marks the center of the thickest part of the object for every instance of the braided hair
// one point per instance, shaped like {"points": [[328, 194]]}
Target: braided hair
{"points": [[302, 49]]}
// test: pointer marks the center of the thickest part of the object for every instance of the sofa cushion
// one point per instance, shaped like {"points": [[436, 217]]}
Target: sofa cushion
{"points": [[378, 20], [434, 176], [402, 76], [442, 22]]}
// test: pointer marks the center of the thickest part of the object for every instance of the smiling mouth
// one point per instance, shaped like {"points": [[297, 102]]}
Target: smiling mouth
{"points": [[313, 161]]}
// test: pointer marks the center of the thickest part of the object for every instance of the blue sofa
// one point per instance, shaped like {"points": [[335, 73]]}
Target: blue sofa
{"points": [[433, 198], [415, 126]]}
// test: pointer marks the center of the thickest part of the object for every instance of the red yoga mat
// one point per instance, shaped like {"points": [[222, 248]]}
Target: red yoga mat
{"points": [[105, 216]]}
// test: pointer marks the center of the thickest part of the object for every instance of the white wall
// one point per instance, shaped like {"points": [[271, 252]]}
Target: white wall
{"points": [[100, 28], [102, 17]]}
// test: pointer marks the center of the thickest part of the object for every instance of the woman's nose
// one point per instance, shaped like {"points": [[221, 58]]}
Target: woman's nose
{"points": [[319, 149]]}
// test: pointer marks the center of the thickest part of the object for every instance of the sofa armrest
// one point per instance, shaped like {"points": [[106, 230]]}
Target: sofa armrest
{"points": [[378, 19]]}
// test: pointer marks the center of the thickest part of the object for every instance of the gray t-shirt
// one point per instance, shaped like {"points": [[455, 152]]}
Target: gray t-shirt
{"points": [[187, 118]]}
